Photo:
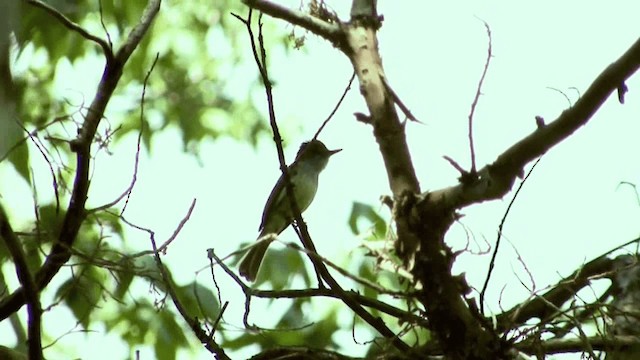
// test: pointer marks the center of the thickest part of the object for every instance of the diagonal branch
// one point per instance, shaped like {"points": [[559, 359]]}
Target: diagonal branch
{"points": [[546, 305], [106, 47], [496, 179], [329, 31]]}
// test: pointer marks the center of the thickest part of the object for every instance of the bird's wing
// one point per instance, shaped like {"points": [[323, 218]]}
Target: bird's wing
{"points": [[276, 197]]}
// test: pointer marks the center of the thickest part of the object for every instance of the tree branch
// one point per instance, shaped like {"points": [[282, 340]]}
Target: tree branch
{"points": [[544, 306], [496, 179], [329, 31], [32, 297], [205, 339], [597, 343], [400, 314], [106, 47]]}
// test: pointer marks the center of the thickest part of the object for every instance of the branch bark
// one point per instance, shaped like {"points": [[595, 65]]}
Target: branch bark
{"points": [[495, 180], [32, 296]]}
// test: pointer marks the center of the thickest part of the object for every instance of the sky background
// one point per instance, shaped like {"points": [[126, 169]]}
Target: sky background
{"points": [[571, 210]]}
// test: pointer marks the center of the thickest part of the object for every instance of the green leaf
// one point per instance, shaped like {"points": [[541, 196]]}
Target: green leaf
{"points": [[170, 337], [39, 27], [318, 335], [147, 267], [279, 266], [19, 157], [124, 278], [199, 300], [81, 294], [367, 212], [133, 321], [13, 146]]}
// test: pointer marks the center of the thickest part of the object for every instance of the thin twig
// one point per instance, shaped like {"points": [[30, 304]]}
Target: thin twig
{"points": [[494, 255], [134, 178], [396, 99], [106, 48], [162, 248], [335, 109], [475, 100], [563, 94], [104, 27], [400, 314], [457, 166], [204, 338]]}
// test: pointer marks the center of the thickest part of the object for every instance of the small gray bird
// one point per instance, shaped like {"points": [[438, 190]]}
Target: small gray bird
{"points": [[311, 159]]}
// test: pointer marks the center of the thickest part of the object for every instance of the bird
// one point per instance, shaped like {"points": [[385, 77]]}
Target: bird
{"points": [[313, 156]]}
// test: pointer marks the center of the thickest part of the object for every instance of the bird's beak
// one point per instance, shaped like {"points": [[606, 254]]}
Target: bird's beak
{"points": [[331, 152]]}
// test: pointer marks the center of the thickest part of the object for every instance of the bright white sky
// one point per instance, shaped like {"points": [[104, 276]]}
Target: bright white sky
{"points": [[570, 211]]}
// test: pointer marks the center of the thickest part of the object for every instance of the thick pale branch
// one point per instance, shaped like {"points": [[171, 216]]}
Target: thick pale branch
{"points": [[389, 132], [329, 31]]}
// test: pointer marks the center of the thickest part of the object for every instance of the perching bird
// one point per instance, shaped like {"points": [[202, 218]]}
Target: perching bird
{"points": [[311, 159]]}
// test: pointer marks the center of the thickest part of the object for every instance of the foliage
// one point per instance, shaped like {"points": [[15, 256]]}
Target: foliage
{"points": [[189, 91]]}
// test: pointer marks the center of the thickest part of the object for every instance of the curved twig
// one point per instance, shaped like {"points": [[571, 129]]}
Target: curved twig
{"points": [[106, 47]]}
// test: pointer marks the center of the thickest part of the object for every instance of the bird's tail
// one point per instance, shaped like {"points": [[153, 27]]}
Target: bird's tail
{"points": [[250, 265]]}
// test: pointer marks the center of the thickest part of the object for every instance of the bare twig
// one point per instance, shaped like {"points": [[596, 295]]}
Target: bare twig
{"points": [[162, 248], [634, 187], [43, 151], [134, 178], [499, 236], [498, 177], [204, 338], [457, 166], [566, 97], [400, 314], [476, 98], [344, 94], [104, 27], [106, 47], [398, 101]]}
